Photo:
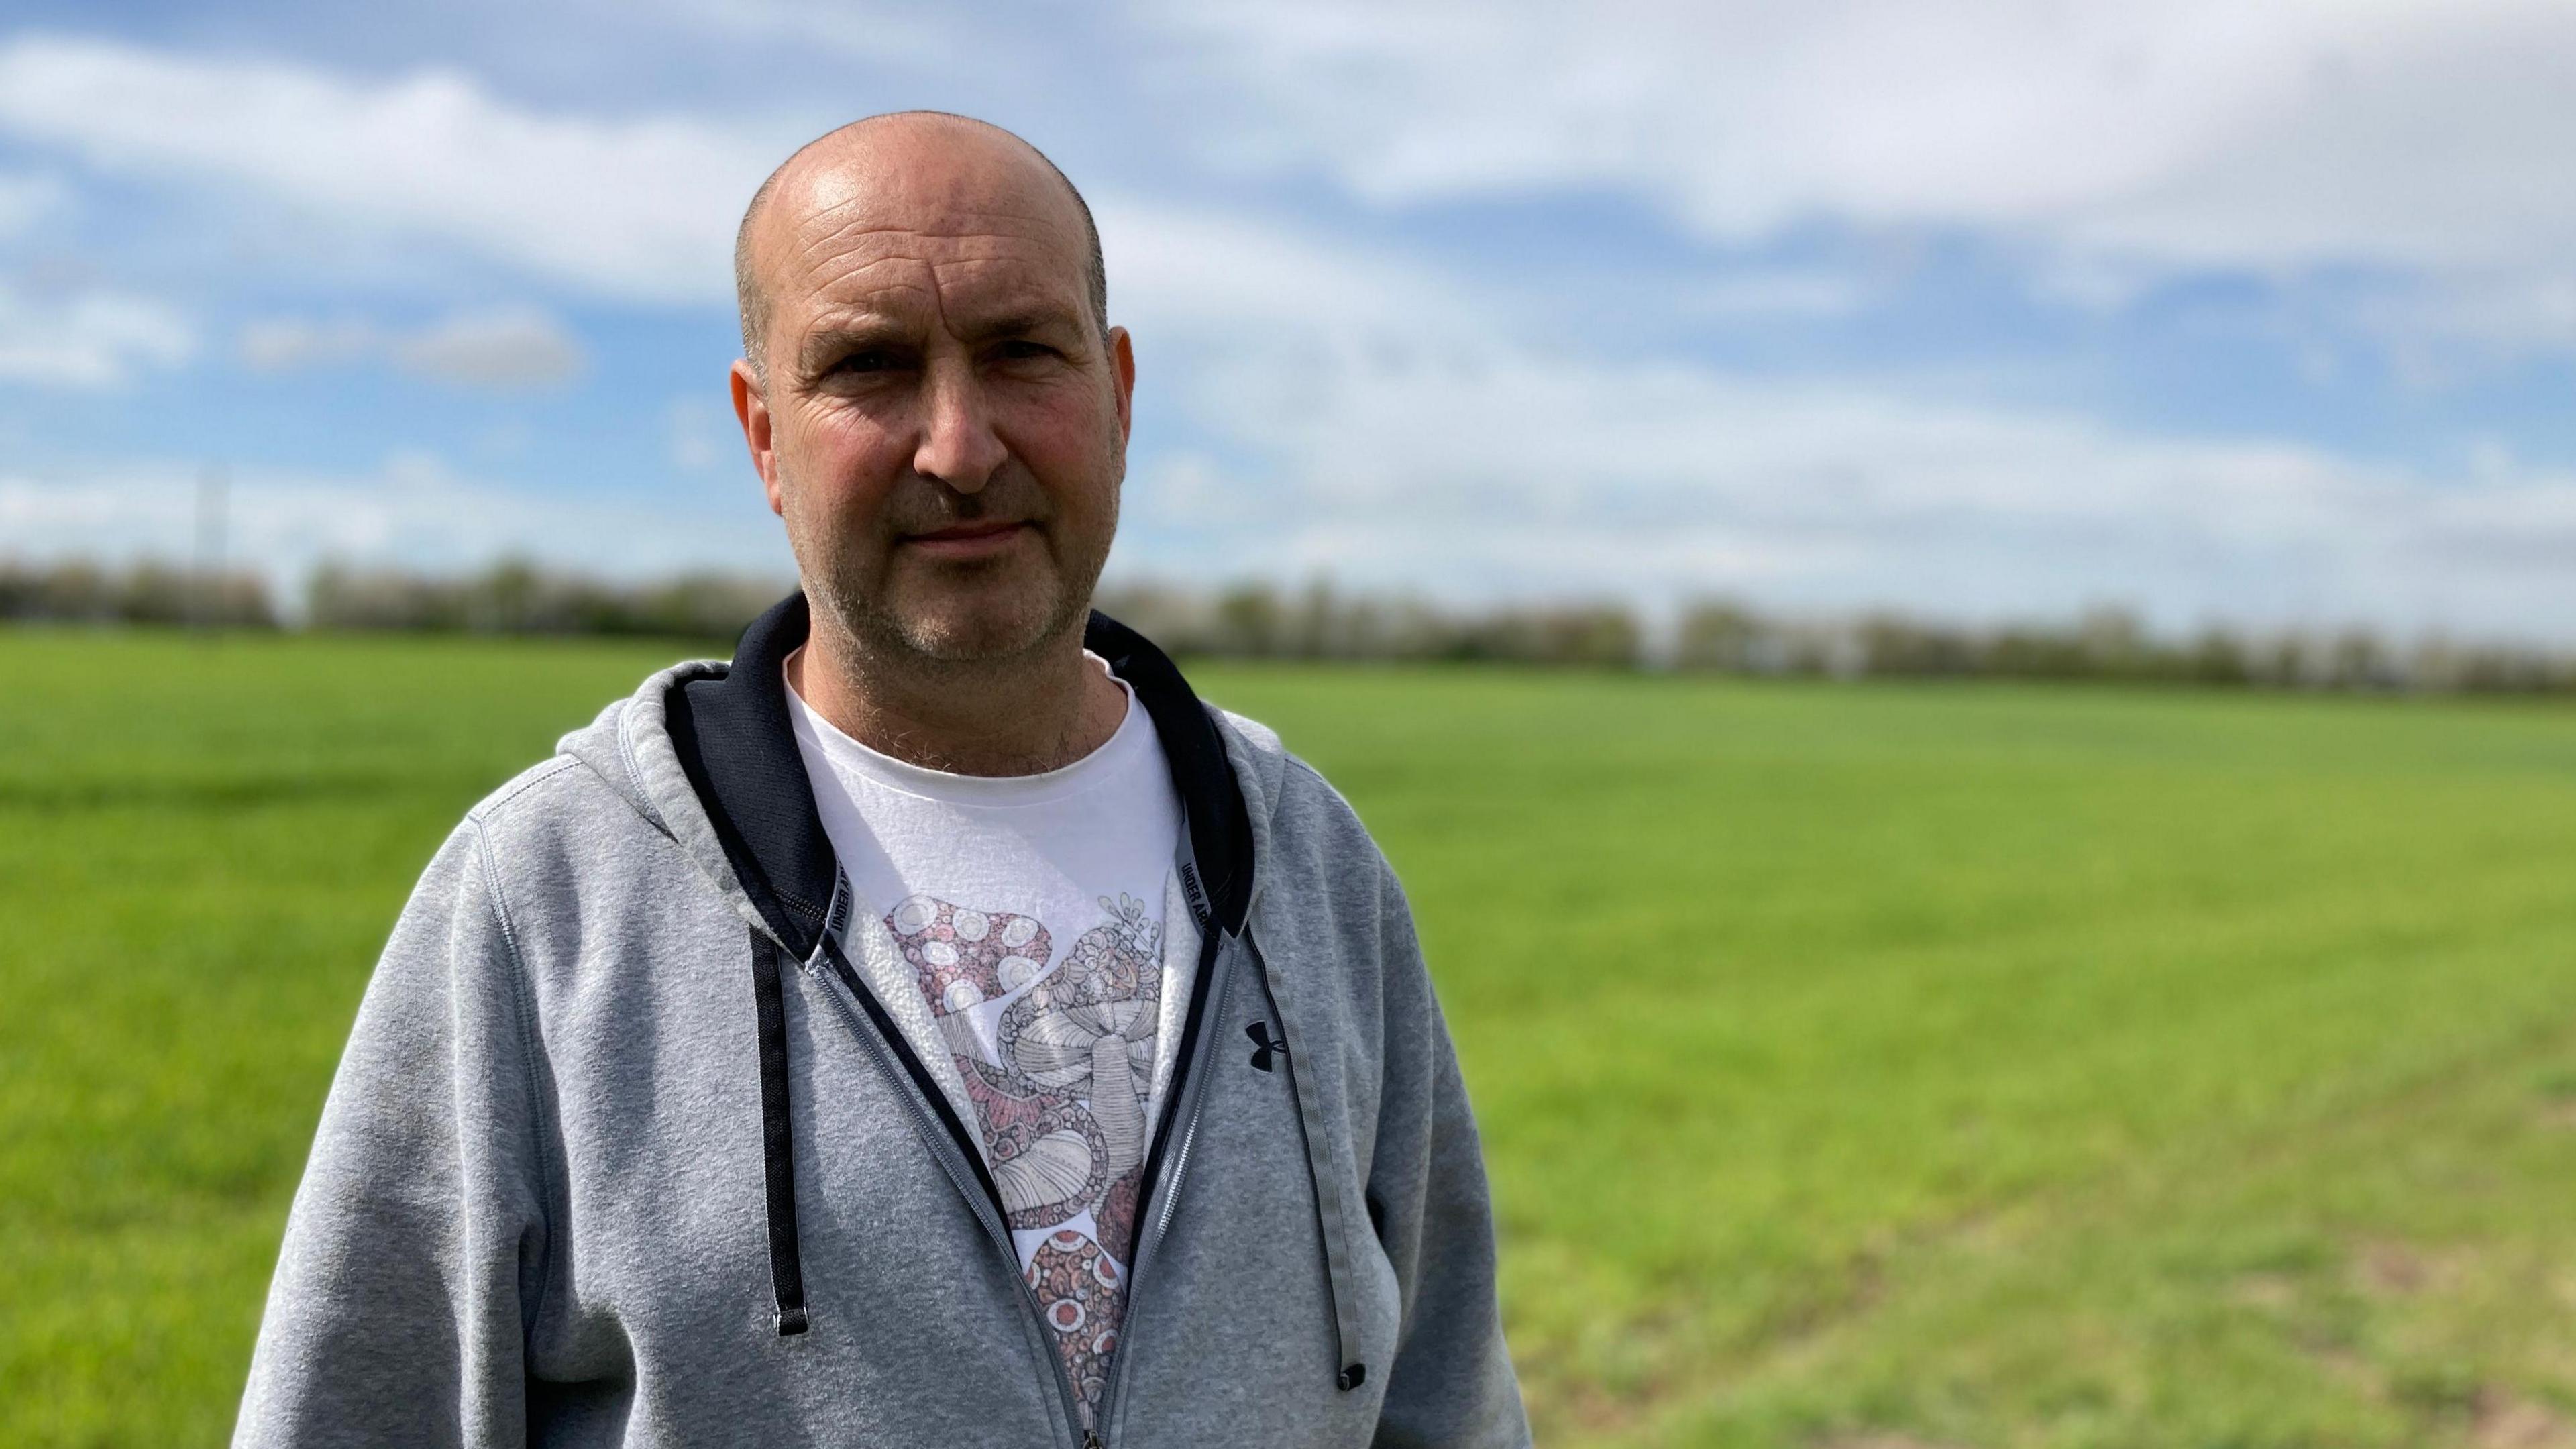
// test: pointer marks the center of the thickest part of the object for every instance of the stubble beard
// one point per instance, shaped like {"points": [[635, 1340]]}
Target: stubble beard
{"points": [[981, 624]]}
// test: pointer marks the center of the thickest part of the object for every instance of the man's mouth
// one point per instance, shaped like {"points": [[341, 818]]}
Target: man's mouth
{"points": [[977, 539]]}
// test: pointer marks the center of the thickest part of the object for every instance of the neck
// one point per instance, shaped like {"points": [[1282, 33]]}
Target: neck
{"points": [[1024, 715]]}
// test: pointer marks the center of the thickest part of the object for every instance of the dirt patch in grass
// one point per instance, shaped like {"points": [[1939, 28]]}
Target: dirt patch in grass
{"points": [[2274, 1292], [2505, 1421], [1580, 1392], [2385, 1269], [1591, 1391]]}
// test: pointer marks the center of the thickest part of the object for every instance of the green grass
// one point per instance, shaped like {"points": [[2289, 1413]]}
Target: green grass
{"points": [[1857, 1065]]}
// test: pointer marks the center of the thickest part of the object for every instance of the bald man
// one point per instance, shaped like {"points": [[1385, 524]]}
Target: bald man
{"points": [[934, 1026]]}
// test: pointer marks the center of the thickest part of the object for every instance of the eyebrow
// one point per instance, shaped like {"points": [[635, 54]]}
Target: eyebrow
{"points": [[1022, 321], [857, 334], [1029, 320], [858, 331]]}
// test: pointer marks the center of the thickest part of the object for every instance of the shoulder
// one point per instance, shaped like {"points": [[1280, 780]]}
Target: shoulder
{"points": [[528, 795], [574, 817], [1311, 847], [1333, 928], [555, 798], [1280, 787], [567, 854], [1272, 776]]}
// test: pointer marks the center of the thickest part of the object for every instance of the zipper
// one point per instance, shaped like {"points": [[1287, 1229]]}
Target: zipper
{"points": [[1187, 1110], [970, 1185], [977, 1187]]}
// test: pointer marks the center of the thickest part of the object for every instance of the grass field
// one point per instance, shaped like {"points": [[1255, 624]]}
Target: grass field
{"points": [[1887, 1066]]}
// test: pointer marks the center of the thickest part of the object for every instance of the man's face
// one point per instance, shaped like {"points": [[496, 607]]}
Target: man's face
{"points": [[943, 427]]}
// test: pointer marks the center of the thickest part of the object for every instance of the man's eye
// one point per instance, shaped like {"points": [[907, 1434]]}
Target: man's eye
{"points": [[1020, 349], [872, 360]]}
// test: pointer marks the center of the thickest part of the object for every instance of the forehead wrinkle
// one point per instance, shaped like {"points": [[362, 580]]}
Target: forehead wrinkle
{"points": [[992, 283], [953, 304], [983, 281], [974, 243], [866, 316], [809, 235], [906, 198], [902, 165], [842, 240], [837, 273], [1032, 221], [909, 186], [862, 256]]}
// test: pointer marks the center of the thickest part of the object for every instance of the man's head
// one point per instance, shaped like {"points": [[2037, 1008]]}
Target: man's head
{"points": [[930, 387]]}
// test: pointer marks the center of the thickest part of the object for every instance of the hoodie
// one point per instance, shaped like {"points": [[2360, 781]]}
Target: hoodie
{"points": [[624, 1149]]}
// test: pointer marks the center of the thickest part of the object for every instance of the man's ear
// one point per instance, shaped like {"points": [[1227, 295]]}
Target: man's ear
{"points": [[751, 409], [1122, 368]]}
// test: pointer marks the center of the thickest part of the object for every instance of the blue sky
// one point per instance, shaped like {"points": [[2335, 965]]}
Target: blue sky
{"points": [[2257, 314]]}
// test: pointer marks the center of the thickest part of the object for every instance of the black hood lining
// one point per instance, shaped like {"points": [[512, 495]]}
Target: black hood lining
{"points": [[738, 749], [735, 743]]}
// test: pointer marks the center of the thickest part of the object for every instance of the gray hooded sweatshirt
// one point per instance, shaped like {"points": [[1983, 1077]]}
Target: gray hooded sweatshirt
{"points": [[624, 1150]]}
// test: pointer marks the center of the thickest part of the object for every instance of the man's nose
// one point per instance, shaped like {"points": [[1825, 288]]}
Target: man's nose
{"points": [[958, 445]]}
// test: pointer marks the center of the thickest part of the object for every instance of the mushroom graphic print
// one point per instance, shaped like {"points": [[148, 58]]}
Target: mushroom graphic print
{"points": [[1058, 1061]]}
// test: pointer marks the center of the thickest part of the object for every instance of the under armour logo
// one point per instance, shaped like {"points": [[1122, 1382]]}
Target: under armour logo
{"points": [[1262, 1045]]}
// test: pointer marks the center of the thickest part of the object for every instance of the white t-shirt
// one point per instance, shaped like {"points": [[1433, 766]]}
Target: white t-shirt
{"points": [[1015, 927]]}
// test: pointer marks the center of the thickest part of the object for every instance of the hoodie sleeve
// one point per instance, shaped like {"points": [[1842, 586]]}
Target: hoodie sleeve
{"points": [[1451, 1383], [414, 1254]]}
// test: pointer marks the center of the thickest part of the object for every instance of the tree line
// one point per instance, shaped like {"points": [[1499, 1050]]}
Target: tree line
{"points": [[1320, 622], [510, 597], [1725, 636], [81, 592]]}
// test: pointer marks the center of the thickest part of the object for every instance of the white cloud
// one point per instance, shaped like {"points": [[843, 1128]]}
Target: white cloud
{"points": [[413, 512], [640, 208], [1528, 476], [26, 200], [1357, 420], [922, 39], [290, 344], [1364, 413], [1792, 295], [522, 348], [508, 348], [2426, 132], [90, 339], [2445, 330], [1190, 270], [2403, 132]]}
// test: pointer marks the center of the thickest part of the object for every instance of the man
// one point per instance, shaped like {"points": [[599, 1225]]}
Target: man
{"points": [[935, 1026]]}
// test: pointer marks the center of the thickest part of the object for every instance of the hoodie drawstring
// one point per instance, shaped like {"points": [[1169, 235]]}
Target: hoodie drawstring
{"points": [[769, 964], [777, 1138], [1332, 1215]]}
